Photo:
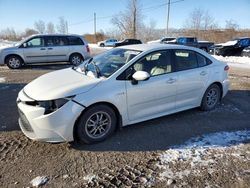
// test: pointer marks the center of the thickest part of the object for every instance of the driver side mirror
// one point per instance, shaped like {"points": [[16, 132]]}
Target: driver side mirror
{"points": [[139, 76], [25, 45]]}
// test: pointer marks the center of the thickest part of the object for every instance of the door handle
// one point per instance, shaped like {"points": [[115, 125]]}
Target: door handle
{"points": [[42, 49], [50, 48], [171, 80], [203, 73]]}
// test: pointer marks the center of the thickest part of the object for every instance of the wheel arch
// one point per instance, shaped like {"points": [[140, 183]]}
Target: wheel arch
{"points": [[219, 85], [112, 106], [12, 54]]}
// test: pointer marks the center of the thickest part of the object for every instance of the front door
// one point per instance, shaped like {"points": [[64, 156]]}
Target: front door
{"points": [[155, 96], [34, 50]]}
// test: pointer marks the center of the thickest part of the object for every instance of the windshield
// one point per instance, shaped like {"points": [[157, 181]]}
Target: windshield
{"points": [[105, 64]]}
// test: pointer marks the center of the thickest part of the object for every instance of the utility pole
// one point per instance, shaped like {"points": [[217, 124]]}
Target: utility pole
{"points": [[95, 26], [134, 19], [168, 16]]}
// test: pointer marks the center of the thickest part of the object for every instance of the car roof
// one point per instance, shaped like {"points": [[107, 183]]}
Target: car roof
{"points": [[67, 35], [146, 47]]}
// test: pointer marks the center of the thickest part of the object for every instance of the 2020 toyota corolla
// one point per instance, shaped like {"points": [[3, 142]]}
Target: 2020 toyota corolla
{"points": [[122, 86]]}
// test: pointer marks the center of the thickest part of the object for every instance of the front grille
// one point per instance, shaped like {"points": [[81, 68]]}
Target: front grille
{"points": [[24, 122]]}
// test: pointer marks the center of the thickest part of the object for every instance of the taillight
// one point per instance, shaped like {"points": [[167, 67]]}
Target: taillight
{"points": [[226, 68], [88, 50]]}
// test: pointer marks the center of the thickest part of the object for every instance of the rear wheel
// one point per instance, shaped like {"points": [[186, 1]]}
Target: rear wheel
{"points": [[14, 62], [102, 45], [96, 124], [75, 59], [211, 97]]}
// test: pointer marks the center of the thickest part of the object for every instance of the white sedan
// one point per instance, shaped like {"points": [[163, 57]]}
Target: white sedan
{"points": [[122, 86]]}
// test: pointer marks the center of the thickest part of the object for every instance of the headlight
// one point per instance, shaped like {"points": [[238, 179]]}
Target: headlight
{"points": [[53, 105]]}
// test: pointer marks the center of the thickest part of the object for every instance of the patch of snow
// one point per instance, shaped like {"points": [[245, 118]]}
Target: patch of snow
{"points": [[39, 180], [220, 139], [197, 152], [96, 46], [89, 177], [2, 79], [235, 61]]}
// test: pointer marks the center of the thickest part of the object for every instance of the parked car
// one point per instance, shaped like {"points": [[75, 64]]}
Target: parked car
{"points": [[46, 48], [122, 86], [162, 40], [246, 52], [191, 41], [128, 42], [230, 48], [108, 42]]}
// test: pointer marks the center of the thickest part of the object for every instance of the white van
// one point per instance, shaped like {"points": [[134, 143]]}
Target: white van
{"points": [[46, 48]]}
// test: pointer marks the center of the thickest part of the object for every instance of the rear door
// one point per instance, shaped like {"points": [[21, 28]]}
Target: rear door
{"points": [[34, 50], [192, 77], [57, 48]]}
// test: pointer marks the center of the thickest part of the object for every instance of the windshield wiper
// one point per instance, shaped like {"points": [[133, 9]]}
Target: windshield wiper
{"points": [[97, 70]]}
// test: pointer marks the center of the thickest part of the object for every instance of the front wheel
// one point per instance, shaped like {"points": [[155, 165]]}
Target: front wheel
{"points": [[96, 124], [211, 97], [14, 62]]}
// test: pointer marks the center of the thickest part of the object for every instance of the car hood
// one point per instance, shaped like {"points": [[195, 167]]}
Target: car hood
{"points": [[5, 48], [59, 84]]}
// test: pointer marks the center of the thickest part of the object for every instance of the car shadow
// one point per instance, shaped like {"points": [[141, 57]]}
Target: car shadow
{"points": [[157, 134], [47, 66]]}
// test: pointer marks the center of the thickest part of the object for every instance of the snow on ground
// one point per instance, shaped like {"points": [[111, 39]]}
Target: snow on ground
{"points": [[5, 43], [198, 152], [235, 61], [96, 46]]}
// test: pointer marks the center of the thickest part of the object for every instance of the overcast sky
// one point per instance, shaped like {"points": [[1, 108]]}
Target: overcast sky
{"points": [[21, 14]]}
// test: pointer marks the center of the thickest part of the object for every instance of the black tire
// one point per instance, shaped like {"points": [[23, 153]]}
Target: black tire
{"points": [[76, 59], [102, 45], [90, 124], [14, 62], [211, 97]]}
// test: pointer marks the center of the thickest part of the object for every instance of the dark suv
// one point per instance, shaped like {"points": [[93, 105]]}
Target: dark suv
{"points": [[230, 48], [128, 42]]}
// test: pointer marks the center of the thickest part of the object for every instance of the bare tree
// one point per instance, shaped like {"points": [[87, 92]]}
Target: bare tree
{"points": [[9, 34], [29, 32], [62, 26], [50, 28], [231, 24], [129, 21], [200, 21], [40, 26]]}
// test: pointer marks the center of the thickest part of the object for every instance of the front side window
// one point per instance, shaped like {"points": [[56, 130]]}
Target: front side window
{"points": [[156, 63], [35, 42], [185, 59]]}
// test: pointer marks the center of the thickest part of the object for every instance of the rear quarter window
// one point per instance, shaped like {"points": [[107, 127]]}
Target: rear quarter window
{"points": [[75, 41], [202, 60]]}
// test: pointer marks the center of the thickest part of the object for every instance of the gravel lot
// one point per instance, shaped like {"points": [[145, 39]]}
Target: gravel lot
{"points": [[134, 156]]}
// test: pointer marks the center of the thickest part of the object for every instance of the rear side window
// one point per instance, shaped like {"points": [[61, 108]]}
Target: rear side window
{"points": [[57, 41], [185, 59], [75, 41]]}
